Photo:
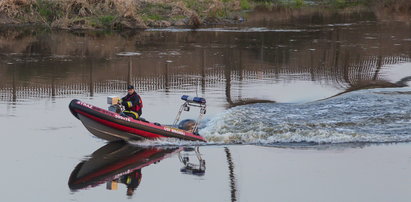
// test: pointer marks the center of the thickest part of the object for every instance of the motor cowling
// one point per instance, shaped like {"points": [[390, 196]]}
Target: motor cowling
{"points": [[187, 124]]}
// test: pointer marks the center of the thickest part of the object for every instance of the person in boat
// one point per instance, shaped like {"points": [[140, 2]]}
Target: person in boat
{"points": [[132, 103], [132, 181]]}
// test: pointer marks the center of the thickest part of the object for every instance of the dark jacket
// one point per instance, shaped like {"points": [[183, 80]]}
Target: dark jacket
{"points": [[133, 102], [132, 180]]}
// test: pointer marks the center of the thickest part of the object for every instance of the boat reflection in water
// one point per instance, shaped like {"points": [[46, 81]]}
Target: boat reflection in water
{"points": [[120, 162], [189, 167]]}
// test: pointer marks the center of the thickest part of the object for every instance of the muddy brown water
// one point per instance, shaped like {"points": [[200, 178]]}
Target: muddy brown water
{"points": [[292, 66]]}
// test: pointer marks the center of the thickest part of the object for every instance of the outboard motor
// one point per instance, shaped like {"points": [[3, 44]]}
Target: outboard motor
{"points": [[187, 124]]}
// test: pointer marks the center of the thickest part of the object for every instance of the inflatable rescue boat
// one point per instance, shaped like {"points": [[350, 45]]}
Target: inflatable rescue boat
{"points": [[113, 125]]}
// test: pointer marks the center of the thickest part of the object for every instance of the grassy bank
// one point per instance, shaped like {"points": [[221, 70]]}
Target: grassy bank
{"points": [[117, 14], [132, 14]]}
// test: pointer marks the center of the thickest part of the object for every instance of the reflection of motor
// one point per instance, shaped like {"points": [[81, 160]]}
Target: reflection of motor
{"points": [[191, 168]]}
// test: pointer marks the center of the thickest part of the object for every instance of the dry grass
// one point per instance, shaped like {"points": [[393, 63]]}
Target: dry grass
{"points": [[99, 14], [13, 8], [85, 14], [74, 13], [119, 14]]}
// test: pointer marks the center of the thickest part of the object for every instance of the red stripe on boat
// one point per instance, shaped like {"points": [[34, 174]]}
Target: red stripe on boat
{"points": [[142, 133], [119, 165]]}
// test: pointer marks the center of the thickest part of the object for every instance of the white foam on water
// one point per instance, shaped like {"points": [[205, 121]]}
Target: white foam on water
{"points": [[166, 142], [367, 116]]}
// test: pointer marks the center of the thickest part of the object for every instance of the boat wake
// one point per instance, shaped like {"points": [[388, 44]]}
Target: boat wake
{"points": [[166, 142], [366, 116]]}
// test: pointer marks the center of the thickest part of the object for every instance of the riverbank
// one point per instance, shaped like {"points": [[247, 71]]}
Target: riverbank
{"points": [[132, 14], [116, 14]]}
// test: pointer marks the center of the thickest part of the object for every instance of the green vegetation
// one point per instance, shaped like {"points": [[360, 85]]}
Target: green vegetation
{"points": [[347, 3], [178, 17], [245, 5], [299, 3], [193, 4], [48, 10], [107, 21], [132, 14], [155, 11]]}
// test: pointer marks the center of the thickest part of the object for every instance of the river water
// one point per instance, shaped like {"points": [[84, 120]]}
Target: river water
{"points": [[315, 108]]}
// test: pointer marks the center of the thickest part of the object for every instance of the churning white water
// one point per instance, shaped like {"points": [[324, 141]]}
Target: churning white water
{"points": [[367, 116]]}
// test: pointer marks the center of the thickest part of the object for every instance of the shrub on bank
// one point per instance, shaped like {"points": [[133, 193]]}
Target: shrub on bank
{"points": [[132, 14]]}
